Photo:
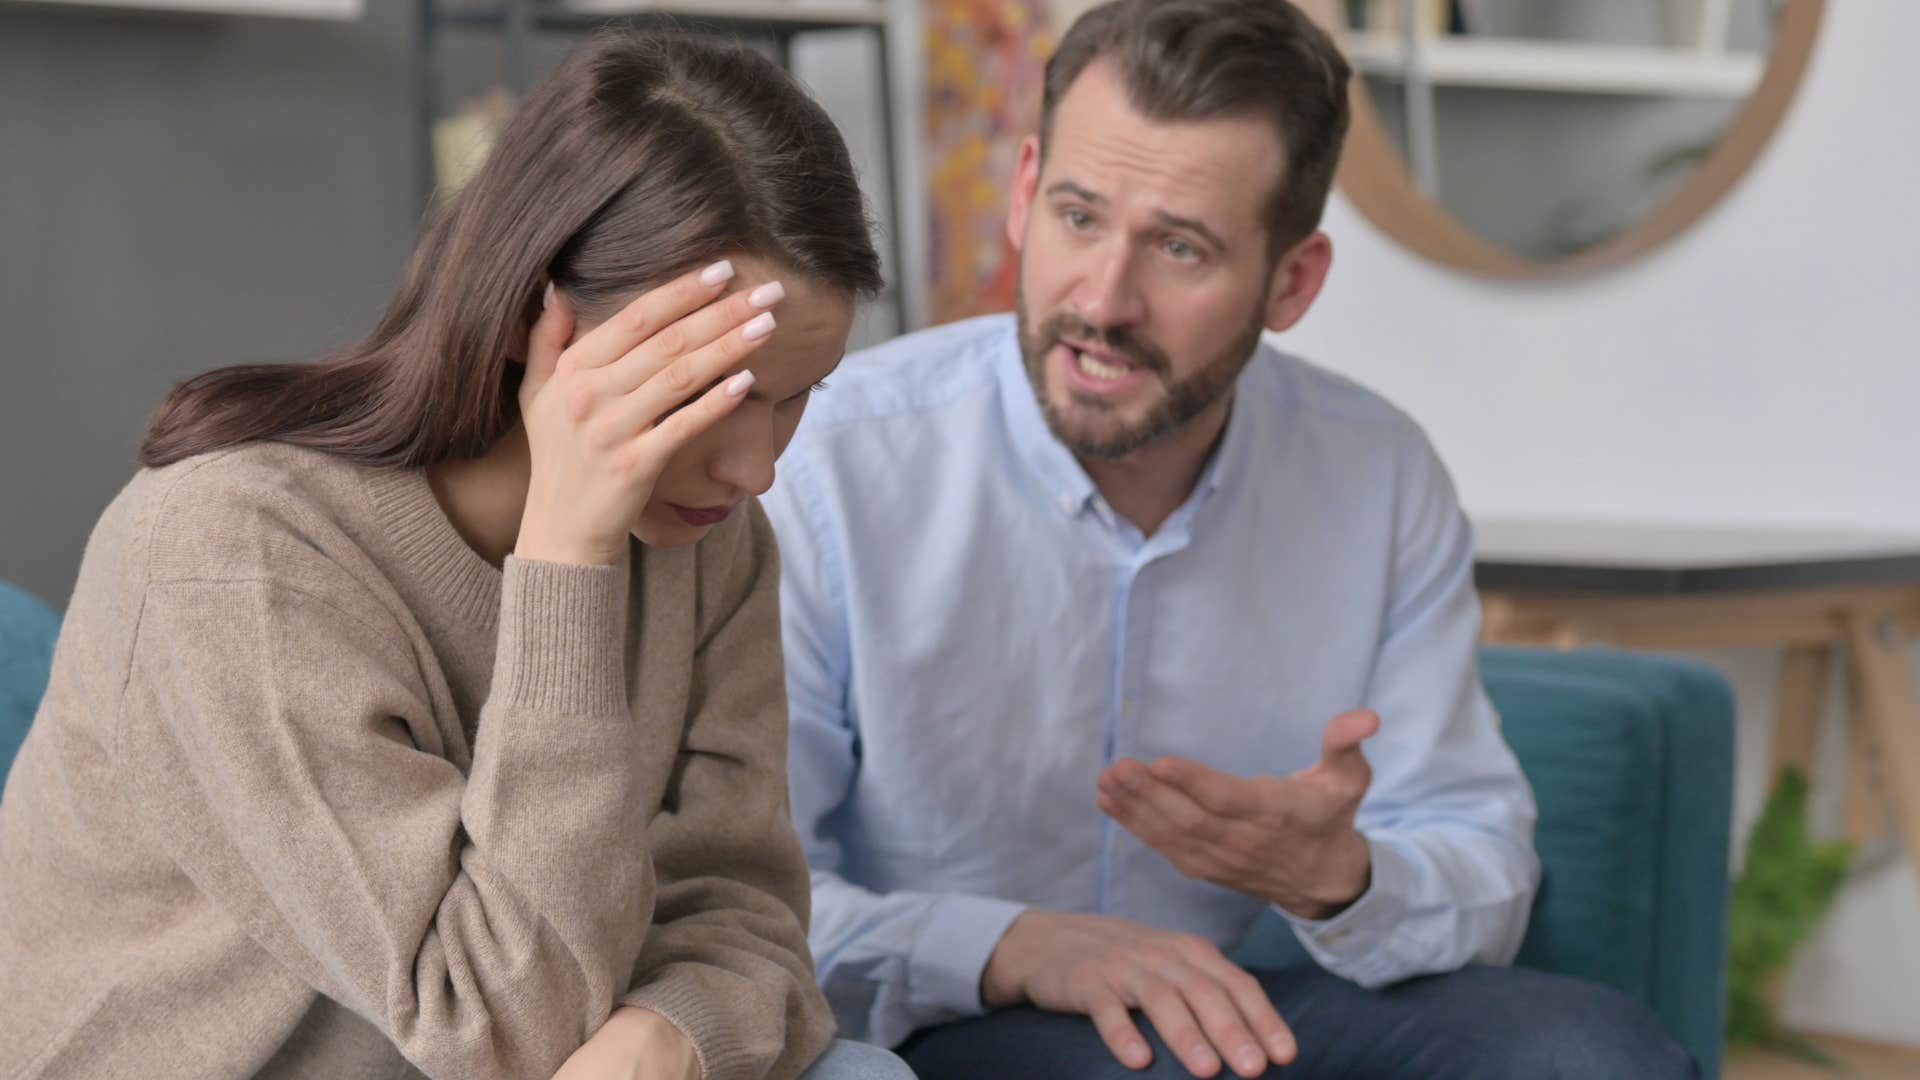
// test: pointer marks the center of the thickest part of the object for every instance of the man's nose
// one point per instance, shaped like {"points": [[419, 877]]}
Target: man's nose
{"points": [[1109, 295]]}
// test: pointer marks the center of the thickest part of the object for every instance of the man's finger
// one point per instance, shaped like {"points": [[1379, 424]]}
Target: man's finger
{"points": [[1163, 809], [1133, 782], [1175, 1022], [1217, 792], [1276, 1038], [1142, 822], [1221, 1018], [1115, 1025]]}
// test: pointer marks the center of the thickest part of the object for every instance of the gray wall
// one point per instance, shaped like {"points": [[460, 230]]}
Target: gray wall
{"points": [[176, 193], [180, 192]]}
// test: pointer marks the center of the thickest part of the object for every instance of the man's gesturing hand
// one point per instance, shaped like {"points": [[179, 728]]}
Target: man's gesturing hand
{"points": [[1204, 1007], [1286, 840]]}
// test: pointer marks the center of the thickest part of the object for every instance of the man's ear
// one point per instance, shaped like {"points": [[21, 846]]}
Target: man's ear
{"points": [[1026, 182], [1297, 279]]}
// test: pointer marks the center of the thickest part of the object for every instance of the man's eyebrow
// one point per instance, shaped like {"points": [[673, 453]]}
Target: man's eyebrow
{"points": [[1172, 221], [1068, 187]]}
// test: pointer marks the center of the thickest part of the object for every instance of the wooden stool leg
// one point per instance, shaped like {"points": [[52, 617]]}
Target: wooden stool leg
{"points": [[1802, 699], [1866, 797], [1889, 703]]}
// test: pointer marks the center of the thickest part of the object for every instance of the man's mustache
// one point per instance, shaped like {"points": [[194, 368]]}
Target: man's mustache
{"points": [[1118, 340]]}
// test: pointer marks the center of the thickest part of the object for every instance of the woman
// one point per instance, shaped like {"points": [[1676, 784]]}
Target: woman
{"points": [[421, 709]]}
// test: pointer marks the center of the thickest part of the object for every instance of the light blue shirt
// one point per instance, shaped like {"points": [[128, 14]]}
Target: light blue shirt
{"points": [[972, 634]]}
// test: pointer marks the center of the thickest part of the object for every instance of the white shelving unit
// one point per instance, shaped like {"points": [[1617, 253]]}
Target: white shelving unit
{"points": [[1521, 64], [1401, 44], [286, 9], [800, 12]]}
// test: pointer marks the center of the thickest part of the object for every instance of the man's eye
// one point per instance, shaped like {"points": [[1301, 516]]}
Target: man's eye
{"points": [[1181, 250], [1078, 219]]}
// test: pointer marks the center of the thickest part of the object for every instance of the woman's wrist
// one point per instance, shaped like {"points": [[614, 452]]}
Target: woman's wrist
{"points": [[656, 1041], [634, 1042], [542, 545]]}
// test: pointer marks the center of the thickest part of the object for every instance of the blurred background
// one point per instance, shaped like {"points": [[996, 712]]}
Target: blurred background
{"points": [[1643, 269]]}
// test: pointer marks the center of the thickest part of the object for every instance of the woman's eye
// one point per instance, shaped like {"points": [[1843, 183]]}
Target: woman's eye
{"points": [[803, 395]]}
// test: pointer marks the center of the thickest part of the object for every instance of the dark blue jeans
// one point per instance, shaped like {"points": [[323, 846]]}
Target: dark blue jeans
{"points": [[1481, 1023]]}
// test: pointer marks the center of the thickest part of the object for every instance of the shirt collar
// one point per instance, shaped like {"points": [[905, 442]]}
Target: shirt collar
{"points": [[1066, 483]]}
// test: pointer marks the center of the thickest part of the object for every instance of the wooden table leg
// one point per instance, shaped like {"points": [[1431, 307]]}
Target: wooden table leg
{"points": [[1889, 703], [1802, 702]]}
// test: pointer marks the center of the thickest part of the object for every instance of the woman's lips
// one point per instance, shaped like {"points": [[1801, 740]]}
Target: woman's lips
{"points": [[701, 515]]}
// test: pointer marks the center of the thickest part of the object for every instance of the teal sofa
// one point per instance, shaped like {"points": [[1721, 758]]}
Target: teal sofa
{"points": [[1631, 758], [27, 631]]}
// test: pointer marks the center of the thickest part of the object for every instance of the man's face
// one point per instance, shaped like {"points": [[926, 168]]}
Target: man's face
{"points": [[1144, 271]]}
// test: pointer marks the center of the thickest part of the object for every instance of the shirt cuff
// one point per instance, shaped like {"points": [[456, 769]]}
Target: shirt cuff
{"points": [[1350, 944], [957, 939]]}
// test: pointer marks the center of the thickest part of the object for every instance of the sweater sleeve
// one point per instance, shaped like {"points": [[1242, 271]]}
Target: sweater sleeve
{"points": [[726, 959], [280, 736]]}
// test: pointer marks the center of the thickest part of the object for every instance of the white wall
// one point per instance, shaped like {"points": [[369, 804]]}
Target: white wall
{"points": [[1764, 369]]}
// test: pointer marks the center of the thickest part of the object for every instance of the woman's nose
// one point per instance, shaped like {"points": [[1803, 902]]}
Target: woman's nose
{"points": [[746, 458]]}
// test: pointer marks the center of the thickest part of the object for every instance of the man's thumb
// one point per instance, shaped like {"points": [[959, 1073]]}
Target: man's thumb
{"points": [[1346, 732]]}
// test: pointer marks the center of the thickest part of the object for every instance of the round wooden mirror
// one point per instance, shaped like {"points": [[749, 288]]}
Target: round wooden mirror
{"points": [[1518, 138]]}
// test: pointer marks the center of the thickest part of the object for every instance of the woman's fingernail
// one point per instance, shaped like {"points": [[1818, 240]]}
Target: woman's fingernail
{"points": [[546, 299], [767, 295], [740, 384], [717, 273], [759, 327]]}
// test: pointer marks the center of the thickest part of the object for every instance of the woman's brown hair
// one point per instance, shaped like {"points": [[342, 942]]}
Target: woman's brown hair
{"points": [[643, 157]]}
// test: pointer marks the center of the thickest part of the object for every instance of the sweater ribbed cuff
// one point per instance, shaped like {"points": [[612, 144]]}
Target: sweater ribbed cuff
{"points": [[707, 1024], [562, 638]]}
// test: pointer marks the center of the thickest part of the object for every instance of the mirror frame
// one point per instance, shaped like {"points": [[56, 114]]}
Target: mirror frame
{"points": [[1376, 178]]}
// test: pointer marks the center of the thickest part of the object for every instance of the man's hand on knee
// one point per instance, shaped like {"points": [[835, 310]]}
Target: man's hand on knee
{"points": [[1205, 1007]]}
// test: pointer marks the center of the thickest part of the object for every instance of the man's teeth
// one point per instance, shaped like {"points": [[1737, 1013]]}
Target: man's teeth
{"points": [[1099, 369]]}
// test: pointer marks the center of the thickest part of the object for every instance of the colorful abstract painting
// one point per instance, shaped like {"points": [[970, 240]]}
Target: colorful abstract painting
{"points": [[984, 61]]}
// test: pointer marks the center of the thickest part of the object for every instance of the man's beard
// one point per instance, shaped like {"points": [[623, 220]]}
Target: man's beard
{"points": [[1179, 402]]}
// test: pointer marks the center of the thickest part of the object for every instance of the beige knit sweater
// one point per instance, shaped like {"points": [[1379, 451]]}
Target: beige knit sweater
{"points": [[316, 791]]}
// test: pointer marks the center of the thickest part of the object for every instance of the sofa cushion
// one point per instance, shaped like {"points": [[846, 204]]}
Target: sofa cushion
{"points": [[27, 632]]}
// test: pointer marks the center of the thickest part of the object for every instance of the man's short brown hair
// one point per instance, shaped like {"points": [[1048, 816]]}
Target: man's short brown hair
{"points": [[1191, 60]]}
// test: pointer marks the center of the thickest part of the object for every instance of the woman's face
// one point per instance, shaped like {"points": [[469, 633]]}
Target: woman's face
{"points": [[703, 483]]}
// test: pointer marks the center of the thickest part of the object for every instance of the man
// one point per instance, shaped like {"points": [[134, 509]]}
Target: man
{"points": [[1109, 628]]}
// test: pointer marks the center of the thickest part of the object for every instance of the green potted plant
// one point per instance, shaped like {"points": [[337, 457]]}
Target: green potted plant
{"points": [[1788, 882]]}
